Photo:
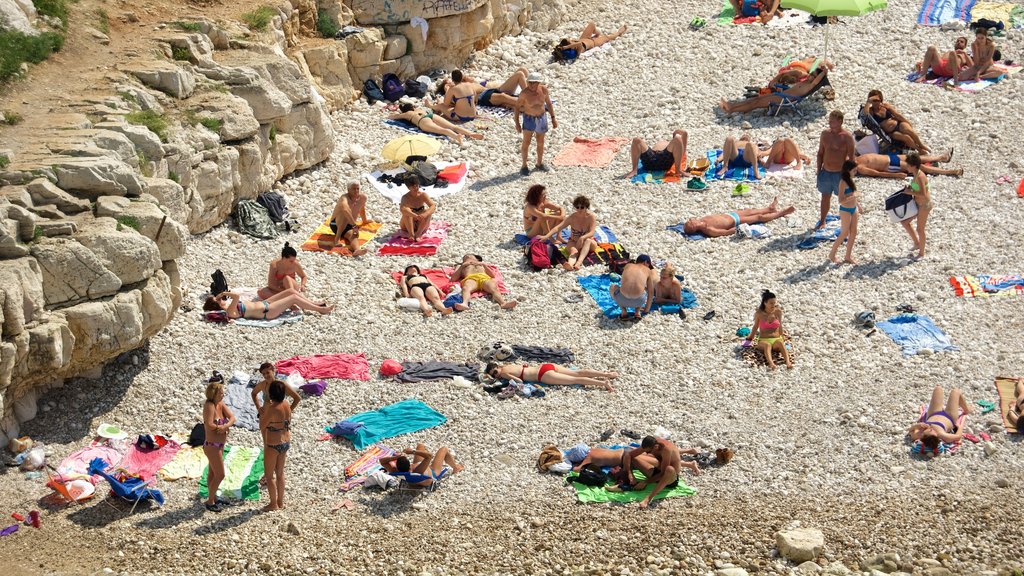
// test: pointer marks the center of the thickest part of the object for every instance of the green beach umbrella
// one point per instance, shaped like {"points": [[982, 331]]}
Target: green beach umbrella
{"points": [[835, 8]]}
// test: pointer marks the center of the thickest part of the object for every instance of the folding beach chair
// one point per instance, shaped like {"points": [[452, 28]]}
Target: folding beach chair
{"points": [[792, 102], [885, 142], [408, 481], [130, 488]]}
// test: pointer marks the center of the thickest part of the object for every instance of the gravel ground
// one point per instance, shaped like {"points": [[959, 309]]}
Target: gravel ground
{"points": [[823, 444]]}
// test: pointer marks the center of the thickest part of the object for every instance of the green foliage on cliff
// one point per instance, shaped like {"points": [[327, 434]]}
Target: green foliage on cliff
{"points": [[259, 18], [16, 48]]}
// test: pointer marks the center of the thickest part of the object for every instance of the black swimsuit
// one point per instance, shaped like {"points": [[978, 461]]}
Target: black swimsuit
{"points": [[421, 285]]}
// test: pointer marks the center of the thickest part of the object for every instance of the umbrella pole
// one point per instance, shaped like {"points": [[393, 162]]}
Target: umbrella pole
{"points": [[825, 57]]}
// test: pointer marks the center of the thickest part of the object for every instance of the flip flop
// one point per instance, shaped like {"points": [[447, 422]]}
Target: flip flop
{"points": [[986, 406], [709, 315], [985, 436], [629, 434], [972, 438], [606, 434], [682, 314]]}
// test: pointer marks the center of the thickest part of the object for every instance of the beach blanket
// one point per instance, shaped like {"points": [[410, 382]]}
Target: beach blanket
{"points": [[938, 12], [914, 333], [827, 233], [727, 16], [238, 398], [145, 463], [680, 229], [741, 174], [399, 244], [589, 152], [794, 169], [436, 370], [321, 240], [187, 463], [342, 366], [998, 11], [248, 294], [411, 128], [243, 468], [597, 286], [1006, 388], [755, 356], [541, 354], [970, 86], [644, 176], [76, 464], [400, 418], [367, 463], [394, 192], [441, 279], [984, 285], [597, 494], [603, 235]]}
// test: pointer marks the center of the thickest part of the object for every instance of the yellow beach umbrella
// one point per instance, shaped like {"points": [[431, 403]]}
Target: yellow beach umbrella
{"points": [[410, 145]]}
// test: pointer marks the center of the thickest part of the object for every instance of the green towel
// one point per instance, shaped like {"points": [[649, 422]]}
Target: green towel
{"points": [[727, 14], [243, 468], [590, 494]]}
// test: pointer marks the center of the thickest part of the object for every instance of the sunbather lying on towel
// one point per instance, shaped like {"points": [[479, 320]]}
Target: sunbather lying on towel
{"points": [[784, 152], [285, 273], [459, 104], [428, 122], [425, 467], [740, 154], [582, 225], [894, 124], [663, 472], [473, 276], [349, 214], [800, 90], [540, 214], [663, 155], [726, 224], [492, 93], [668, 290], [767, 330], [984, 50], [266, 309], [1013, 415], [895, 165], [417, 209], [938, 424], [415, 285], [551, 374], [636, 288], [590, 38], [948, 65]]}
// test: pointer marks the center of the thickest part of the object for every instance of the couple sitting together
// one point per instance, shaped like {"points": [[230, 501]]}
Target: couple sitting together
{"points": [[657, 459], [463, 93], [472, 275], [641, 286]]}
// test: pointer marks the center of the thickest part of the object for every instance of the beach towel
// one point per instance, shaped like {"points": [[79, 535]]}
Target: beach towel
{"points": [[187, 463], [597, 51], [680, 229], [76, 464], [411, 128], [741, 174], [394, 192], [400, 418], [588, 152], [243, 468], [949, 447], [983, 285], [727, 16], [366, 464], [755, 356], [969, 86], [597, 494], [794, 169], [238, 397], [998, 11], [655, 177], [1005, 387], [541, 354], [441, 279], [938, 12], [342, 366], [399, 244], [436, 370], [597, 286], [827, 233], [603, 235], [322, 238], [145, 463], [914, 333]]}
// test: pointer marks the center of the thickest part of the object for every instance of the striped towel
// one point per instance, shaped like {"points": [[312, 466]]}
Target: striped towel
{"points": [[984, 285], [321, 238], [243, 467], [401, 245], [356, 472], [407, 127], [938, 12], [743, 174]]}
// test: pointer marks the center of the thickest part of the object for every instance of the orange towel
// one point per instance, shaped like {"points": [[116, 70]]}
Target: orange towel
{"points": [[321, 239], [591, 153]]}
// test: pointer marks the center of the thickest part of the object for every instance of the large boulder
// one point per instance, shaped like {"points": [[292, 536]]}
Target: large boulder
{"points": [[236, 117], [72, 273], [328, 67], [169, 236], [398, 11], [171, 196], [312, 132], [18, 16], [366, 48], [121, 249], [94, 177], [800, 544], [43, 192], [141, 138], [164, 76], [21, 294]]}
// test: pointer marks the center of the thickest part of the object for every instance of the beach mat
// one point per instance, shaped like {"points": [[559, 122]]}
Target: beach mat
{"points": [[399, 244], [145, 463], [938, 12], [410, 128], [969, 86], [243, 468], [1005, 387], [827, 233], [680, 229], [603, 235], [394, 192], [983, 286], [727, 17], [644, 176], [597, 494], [76, 464], [248, 294], [366, 464], [794, 169], [322, 238], [597, 286], [188, 463], [440, 277], [914, 332], [738, 174], [589, 152], [397, 419]]}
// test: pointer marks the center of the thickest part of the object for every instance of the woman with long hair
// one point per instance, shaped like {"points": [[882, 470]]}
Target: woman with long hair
{"points": [[275, 424], [767, 330], [539, 213], [285, 272], [922, 196], [217, 420], [849, 213], [267, 309]]}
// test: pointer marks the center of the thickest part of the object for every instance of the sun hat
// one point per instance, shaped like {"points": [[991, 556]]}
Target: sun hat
{"points": [[111, 432], [535, 77]]}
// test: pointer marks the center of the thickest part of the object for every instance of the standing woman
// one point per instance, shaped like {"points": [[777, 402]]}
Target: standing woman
{"points": [[275, 424], [285, 272], [540, 214], [923, 197], [849, 213], [217, 419], [767, 329]]}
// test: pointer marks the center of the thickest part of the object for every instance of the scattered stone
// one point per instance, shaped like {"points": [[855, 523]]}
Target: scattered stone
{"points": [[800, 544]]}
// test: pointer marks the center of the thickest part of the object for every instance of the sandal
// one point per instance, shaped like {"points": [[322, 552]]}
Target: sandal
{"points": [[709, 315], [629, 434], [213, 507], [972, 438]]}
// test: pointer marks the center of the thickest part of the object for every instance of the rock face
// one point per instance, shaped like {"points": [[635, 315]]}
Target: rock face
{"points": [[800, 544], [18, 16]]}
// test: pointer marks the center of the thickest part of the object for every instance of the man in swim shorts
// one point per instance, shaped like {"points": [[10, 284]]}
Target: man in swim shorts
{"points": [[664, 475], [740, 154], [944, 66], [533, 104], [663, 155], [835, 146], [473, 275], [726, 224], [344, 223], [636, 288]]}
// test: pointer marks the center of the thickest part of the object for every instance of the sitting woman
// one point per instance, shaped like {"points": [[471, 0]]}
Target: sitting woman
{"points": [[668, 290], [740, 154], [590, 38], [1013, 415], [425, 468], [266, 309], [938, 423], [762, 10], [808, 86], [415, 285], [767, 329], [540, 214], [784, 152], [284, 274], [582, 225], [427, 121], [551, 374], [894, 124], [895, 165]]}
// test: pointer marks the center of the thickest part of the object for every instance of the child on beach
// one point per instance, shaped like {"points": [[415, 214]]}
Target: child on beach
{"points": [[849, 214]]}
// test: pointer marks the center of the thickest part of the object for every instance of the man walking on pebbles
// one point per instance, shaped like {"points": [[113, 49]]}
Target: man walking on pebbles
{"points": [[835, 147], [534, 103]]}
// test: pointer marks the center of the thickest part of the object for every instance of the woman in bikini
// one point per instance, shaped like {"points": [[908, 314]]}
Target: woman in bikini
{"points": [[427, 121], [1014, 414], [285, 272], [938, 424], [582, 225], [539, 214], [415, 285], [275, 425], [923, 197], [425, 467], [894, 124], [551, 374], [266, 309], [802, 89], [893, 165], [217, 419], [590, 38], [785, 152], [849, 213], [668, 289], [767, 329]]}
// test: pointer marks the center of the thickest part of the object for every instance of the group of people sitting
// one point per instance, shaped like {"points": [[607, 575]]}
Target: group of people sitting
{"points": [[658, 459], [958, 65]]}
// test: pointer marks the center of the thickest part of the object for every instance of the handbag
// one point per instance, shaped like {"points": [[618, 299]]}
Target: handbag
{"points": [[900, 206]]}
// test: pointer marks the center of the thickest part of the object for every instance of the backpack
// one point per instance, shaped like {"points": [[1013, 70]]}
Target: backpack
{"points": [[617, 258], [198, 435], [591, 477], [275, 205], [372, 92], [392, 87], [425, 172], [415, 88], [219, 284], [538, 254]]}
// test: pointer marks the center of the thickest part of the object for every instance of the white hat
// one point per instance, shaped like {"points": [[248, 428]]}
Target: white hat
{"points": [[535, 77]]}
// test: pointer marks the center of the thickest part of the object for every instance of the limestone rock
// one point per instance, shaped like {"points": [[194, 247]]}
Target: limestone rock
{"points": [[236, 117], [731, 571], [142, 138], [16, 195], [141, 97], [328, 66], [51, 228], [111, 206], [169, 235], [397, 11], [94, 142], [165, 77], [171, 197], [121, 249], [265, 100], [395, 47], [365, 48], [94, 177], [800, 544], [21, 294], [72, 273], [13, 16], [48, 212], [42, 191], [199, 46], [311, 129]]}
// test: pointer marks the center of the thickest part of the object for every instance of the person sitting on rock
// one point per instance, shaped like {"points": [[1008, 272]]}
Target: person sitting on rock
{"points": [[265, 309], [417, 209], [663, 155], [284, 274], [551, 374], [474, 275], [590, 38], [939, 421], [425, 467], [349, 214], [427, 121], [635, 288], [668, 289], [716, 225]]}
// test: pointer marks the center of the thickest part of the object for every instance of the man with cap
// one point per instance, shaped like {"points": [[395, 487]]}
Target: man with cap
{"points": [[533, 103], [636, 288]]}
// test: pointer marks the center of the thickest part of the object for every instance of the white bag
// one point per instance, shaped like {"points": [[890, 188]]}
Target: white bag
{"points": [[408, 304], [295, 381], [900, 206]]}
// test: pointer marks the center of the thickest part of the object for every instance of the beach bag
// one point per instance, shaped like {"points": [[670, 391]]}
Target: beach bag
{"points": [[372, 92], [617, 259], [219, 284], [392, 87], [390, 367], [591, 477], [900, 206], [549, 456], [275, 205], [538, 253], [198, 435], [415, 88], [425, 172]]}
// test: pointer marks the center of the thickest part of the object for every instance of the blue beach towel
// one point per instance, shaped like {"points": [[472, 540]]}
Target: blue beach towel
{"points": [[743, 174], [597, 286], [407, 127], [938, 12], [827, 233], [914, 333], [403, 417], [604, 235]]}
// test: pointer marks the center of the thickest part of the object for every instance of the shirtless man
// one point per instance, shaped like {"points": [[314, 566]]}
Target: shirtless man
{"points": [[983, 49], [948, 67], [501, 94], [664, 474], [835, 147], [344, 223], [473, 275], [726, 224], [533, 102], [663, 155], [417, 208], [636, 288], [741, 154], [668, 289], [459, 104], [895, 165]]}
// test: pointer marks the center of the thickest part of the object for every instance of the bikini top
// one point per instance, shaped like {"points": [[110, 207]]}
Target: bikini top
{"points": [[409, 279], [286, 424], [915, 186], [773, 325]]}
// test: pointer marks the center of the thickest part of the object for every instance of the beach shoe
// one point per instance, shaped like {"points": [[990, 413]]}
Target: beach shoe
{"points": [[606, 434], [214, 507], [986, 406], [629, 434], [696, 183], [542, 167], [709, 315], [740, 189], [524, 171], [697, 23]]}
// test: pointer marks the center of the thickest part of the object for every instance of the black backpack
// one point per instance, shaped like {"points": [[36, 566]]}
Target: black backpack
{"points": [[372, 91], [198, 435], [392, 87], [617, 259], [592, 477], [415, 88], [425, 172], [219, 284]]}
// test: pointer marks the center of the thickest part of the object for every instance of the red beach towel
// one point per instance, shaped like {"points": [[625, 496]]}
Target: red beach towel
{"points": [[592, 153], [342, 366]]}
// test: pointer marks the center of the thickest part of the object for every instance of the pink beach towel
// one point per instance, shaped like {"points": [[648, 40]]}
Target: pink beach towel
{"points": [[440, 278], [342, 366], [592, 153], [76, 465], [145, 463], [401, 245]]}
